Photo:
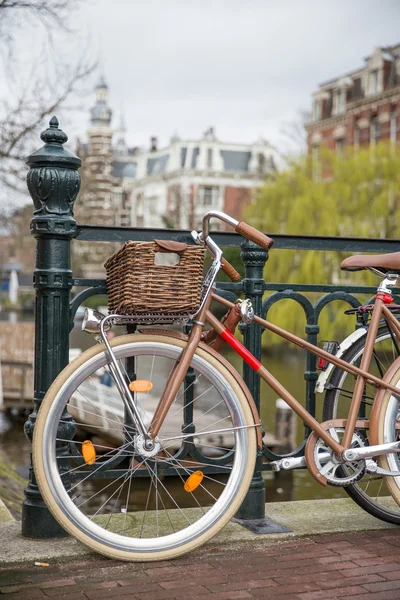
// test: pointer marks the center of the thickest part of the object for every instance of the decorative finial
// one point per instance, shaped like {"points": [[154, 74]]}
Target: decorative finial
{"points": [[54, 135]]}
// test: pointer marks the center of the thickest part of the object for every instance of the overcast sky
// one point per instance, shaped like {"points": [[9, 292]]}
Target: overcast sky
{"points": [[245, 66]]}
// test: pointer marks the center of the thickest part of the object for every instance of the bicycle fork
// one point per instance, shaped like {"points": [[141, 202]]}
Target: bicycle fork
{"points": [[123, 388]]}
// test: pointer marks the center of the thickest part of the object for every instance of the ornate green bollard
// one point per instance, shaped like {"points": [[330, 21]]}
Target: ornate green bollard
{"points": [[254, 259], [53, 183], [252, 511]]}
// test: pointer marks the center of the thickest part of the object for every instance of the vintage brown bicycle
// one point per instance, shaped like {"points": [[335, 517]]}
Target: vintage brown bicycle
{"points": [[173, 421]]}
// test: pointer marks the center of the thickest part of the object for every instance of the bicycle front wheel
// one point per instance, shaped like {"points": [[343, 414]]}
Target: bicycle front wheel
{"points": [[115, 496]]}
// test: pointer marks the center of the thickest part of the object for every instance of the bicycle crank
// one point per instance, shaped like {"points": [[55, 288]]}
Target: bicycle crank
{"points": [[325, 466], [336, 471]]}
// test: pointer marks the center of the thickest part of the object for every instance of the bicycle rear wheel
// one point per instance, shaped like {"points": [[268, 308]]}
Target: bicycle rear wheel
{"points": [[371, 492], [389, 431], [154, 507]]}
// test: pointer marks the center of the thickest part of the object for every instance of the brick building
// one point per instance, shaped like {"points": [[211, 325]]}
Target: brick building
{"points": [[359, 108], [173, 186]]}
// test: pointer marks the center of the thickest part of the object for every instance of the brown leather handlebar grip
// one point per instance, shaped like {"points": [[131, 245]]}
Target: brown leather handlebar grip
{"points": [[254, 235], [229, 270]]}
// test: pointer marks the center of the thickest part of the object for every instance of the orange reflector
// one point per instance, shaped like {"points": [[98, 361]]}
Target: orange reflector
{"points": [[88, 452], [140, 385], [193, 481]]}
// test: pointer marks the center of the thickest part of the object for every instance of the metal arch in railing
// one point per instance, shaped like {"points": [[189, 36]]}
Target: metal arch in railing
{"points": [[288, 294], [98, 288], [309, 312], [312, 314]]}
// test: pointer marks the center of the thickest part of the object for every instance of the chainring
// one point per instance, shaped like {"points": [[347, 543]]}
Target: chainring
{"points": [[336, 472]]}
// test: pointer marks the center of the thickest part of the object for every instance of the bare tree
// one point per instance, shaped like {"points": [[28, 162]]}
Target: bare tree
{"points": [[47, 84], [295, 133]]}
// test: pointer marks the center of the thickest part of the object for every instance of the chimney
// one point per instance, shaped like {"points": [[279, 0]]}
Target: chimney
{"points": [[153, 144]]}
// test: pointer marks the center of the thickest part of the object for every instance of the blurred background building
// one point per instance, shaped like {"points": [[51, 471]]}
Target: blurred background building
{"points": [[161, 187], [360, 107]]}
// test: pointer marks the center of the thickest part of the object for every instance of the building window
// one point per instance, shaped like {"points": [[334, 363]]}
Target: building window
{"points": [[117, 199], [153, 202], [208, 196], [339, 145], [340, 101], [375, 130], [393, 128], [356, 91], [317, 110], [374, 82], [357, 136], [139, 211], [209, 158]]}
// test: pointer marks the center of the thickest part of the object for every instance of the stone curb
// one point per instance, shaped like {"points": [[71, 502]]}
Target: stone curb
{"points": [[303, 518]]}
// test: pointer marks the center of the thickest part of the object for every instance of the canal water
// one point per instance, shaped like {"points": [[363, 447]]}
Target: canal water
{"points": [[287, 366]]}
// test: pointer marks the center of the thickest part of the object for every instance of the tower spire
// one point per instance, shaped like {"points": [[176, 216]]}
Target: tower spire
{"points": [[101, 113], [121, 142]]}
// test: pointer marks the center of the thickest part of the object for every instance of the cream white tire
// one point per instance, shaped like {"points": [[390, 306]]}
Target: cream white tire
{"points": [[40, 452], [386, 433]]}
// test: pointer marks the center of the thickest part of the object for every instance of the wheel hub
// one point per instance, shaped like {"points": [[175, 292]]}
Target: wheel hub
{"points": [[146, 447]]}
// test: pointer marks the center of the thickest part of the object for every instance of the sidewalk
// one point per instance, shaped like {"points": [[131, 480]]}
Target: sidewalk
{"points": [[306, 564], [360, 566]]}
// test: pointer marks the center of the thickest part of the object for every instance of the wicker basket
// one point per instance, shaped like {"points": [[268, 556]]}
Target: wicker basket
{"points": [[138, 286]]}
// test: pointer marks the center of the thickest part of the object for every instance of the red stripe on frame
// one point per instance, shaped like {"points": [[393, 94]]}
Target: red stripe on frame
{"points": [[240, 349]]}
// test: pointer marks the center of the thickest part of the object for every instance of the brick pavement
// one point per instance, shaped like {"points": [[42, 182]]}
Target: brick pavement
{"points": [[360, 566]]}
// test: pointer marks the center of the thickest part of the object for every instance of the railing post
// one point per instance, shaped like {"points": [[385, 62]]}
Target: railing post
{"points": [[254, 259], [53, 183]]}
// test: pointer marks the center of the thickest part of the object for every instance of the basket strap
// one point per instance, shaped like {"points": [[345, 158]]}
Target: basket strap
{"points": [[171, 246]]}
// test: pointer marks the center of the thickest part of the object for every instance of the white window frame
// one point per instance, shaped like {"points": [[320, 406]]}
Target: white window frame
{"points": [[339, 101], [340, 144], [373, 137], [374, 82], [202, 194], [317, 110]]}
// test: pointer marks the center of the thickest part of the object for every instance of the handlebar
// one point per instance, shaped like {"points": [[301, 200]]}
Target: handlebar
{"points": [[254, 235], [245, 230]]}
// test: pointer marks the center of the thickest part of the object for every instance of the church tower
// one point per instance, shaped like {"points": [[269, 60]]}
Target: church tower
{"points": [[95, 204], [98, 163]]}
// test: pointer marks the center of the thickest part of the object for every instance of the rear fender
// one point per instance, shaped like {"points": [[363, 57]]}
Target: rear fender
{"points": [[345, 345]]}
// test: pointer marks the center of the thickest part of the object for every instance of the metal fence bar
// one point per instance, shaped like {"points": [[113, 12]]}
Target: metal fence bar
{"points": [[91, 233]]}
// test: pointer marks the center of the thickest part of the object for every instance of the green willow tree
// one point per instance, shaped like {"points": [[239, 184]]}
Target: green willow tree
{"points": [[354, 193]]}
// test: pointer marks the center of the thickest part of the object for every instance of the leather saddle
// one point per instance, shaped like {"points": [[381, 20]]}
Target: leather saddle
{"points": [[385, 263]]}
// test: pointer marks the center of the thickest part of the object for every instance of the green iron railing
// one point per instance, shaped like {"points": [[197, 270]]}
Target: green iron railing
{"points": [[53, 182]]}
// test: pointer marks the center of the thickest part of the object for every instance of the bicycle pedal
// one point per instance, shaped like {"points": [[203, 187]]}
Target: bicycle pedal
{"points": [[373, 468], [286, 464]]}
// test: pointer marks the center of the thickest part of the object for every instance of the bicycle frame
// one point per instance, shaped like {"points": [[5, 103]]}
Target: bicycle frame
{"points": [[179, 370]]}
